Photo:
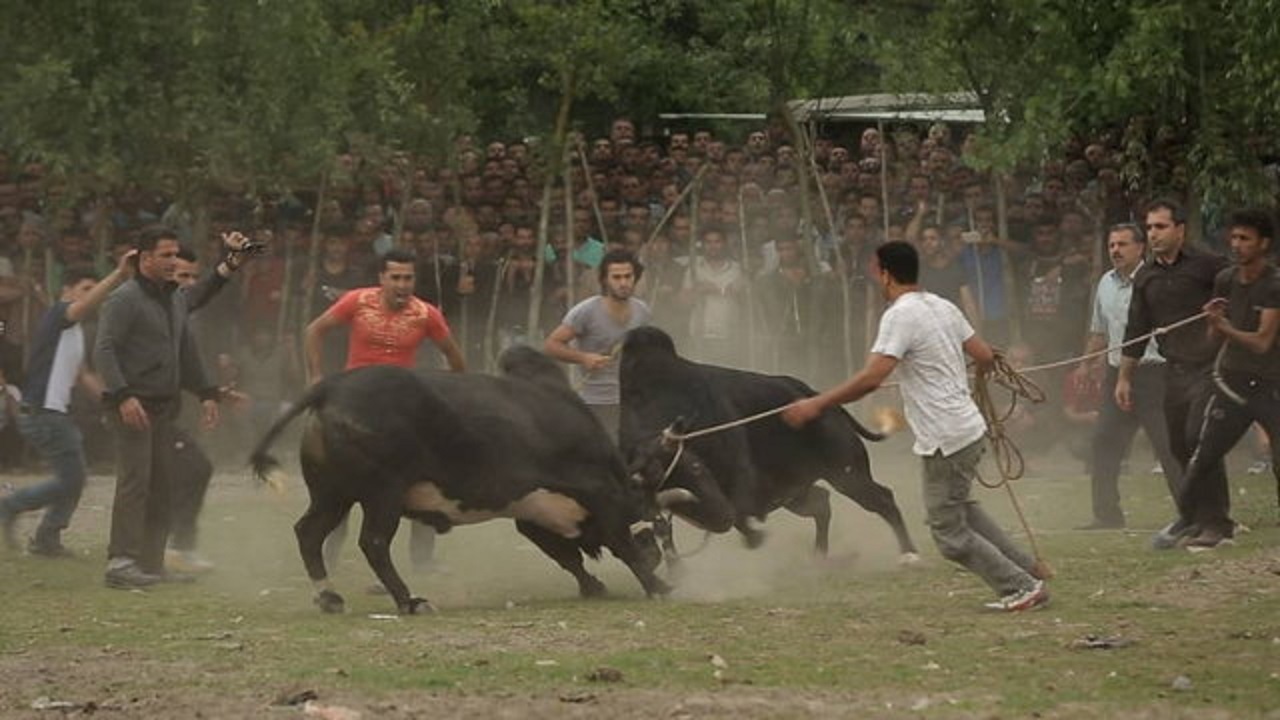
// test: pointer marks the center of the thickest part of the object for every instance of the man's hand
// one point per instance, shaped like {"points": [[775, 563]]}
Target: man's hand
{"points": [[1124, 394], [133, 415], [124, 265], [801, 412], [1217, 313], [595, 361], [208, 414]]}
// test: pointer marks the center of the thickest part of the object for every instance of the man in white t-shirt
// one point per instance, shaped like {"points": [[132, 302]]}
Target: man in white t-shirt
{"points": [[925, 338], [595, 327]]}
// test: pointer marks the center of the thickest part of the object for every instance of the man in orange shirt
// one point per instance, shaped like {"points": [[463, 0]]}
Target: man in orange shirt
{"points": [[387, 323]]}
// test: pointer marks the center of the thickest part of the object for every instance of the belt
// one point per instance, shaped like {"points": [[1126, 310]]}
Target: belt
{"points": [[25, 409]]}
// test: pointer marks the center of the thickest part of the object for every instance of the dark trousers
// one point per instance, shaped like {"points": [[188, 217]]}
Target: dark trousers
{"points": [[1225, 422], [1114, 433], [191, 474], [140, 512], [1187, 392]]}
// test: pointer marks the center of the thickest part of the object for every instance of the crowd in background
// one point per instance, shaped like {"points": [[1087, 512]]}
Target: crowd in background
{"points": [[743, 265]]}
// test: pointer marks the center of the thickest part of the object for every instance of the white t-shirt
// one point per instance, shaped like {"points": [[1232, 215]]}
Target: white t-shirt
{"points": [[926, 333]]}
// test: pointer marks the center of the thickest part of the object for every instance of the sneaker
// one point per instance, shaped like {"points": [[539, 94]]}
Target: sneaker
{"points": [[1209, 539], [1259, 467], [186, 561], [1035, 597], [49, 549], [8, 521], [130, 577], [1167, 537]]}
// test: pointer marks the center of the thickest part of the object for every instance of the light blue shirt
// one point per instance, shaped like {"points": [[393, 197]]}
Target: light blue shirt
{"points": [[1111, 315]]}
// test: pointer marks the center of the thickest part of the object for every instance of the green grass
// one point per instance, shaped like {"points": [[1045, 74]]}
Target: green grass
{"points": [[510, 626]]}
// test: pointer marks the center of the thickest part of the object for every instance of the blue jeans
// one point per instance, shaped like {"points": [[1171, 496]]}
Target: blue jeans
{"points": [[55, 436]]}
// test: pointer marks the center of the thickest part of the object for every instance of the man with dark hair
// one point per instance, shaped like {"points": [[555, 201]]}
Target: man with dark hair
{"points": [[1115, 427], [925, 338], [1174, 286], [1245, 312], [56, 364], [388, 323], [595, 327], [147, 356], [192, 468]]}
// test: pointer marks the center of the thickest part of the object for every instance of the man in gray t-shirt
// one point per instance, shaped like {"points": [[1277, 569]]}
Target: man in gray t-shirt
{"points": [[591, 334]]}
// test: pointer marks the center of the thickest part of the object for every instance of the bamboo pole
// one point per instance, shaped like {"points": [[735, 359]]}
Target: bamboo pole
{"points": [[591, 190], [846, 298], [570, 281], [544, 213], [697, 178], [313, 256], [751, 305], [1010, 287], [491, 322]]}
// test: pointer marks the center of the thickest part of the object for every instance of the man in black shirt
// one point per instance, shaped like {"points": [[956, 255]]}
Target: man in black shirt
{"points": [[1175, 286], [1245, 310]]}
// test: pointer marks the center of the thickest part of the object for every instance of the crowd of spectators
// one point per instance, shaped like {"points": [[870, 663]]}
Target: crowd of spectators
{"points": [[743, 265]]}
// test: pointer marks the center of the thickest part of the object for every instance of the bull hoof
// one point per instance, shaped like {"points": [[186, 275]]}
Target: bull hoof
{"points": [[330, 602], [658, 589], [591, 588], [910, 559], [752, 538], [418, 606]]}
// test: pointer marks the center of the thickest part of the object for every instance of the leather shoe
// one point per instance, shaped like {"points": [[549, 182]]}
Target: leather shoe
{"points": [[130, 577]]}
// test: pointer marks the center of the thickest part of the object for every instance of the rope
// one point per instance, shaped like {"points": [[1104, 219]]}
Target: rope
{"points": [[1099, 353], [1005, 453]]}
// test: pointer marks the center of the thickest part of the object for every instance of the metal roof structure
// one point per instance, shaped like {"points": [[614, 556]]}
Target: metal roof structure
{"points": [[955, 107]]}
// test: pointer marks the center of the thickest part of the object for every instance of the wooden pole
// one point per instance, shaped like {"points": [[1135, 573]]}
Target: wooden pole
{"points": [[751, 305], [570, 281], [544, 214]]}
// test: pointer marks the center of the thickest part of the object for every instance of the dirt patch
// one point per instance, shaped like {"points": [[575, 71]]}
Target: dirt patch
{"points": [[1220, 580]]}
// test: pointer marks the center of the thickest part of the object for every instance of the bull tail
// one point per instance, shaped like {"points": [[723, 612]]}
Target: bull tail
{"points": [[865, 431], [265, 467]]}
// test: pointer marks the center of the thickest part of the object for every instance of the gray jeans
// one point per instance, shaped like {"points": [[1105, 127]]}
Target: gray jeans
{"points": [[962, 531]]}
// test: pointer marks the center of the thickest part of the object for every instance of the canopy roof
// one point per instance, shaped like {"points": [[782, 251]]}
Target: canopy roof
{"points": [[955, 107]]}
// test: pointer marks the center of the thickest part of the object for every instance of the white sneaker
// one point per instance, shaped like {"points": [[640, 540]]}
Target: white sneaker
{"points": [[1036, 596]]}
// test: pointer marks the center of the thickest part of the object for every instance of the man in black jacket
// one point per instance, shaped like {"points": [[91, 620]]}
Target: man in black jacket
{"points": [[146, 355]]}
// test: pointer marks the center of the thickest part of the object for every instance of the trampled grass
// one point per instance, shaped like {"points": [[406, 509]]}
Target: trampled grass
{"points": [[765, 633]]}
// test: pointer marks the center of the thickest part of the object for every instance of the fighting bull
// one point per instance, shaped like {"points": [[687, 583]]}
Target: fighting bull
{"points": [[450, 449], [738, 475]]}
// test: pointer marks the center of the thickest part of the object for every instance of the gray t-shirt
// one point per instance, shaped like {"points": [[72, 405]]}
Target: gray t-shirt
{"points": [[596, 331]]}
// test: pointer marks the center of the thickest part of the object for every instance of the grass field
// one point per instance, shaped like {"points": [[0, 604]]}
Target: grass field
{"points": [[749, 634]]}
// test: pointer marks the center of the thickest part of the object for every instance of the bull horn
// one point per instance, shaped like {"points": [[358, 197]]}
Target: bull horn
{"points": [[671, 496]]}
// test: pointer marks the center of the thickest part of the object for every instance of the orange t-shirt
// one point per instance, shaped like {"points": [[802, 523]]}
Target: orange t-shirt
{"points": [[382, 337]]}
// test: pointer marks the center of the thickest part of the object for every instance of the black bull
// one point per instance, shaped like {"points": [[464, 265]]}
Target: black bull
{"points": [[743, 473], [450, 449]]}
